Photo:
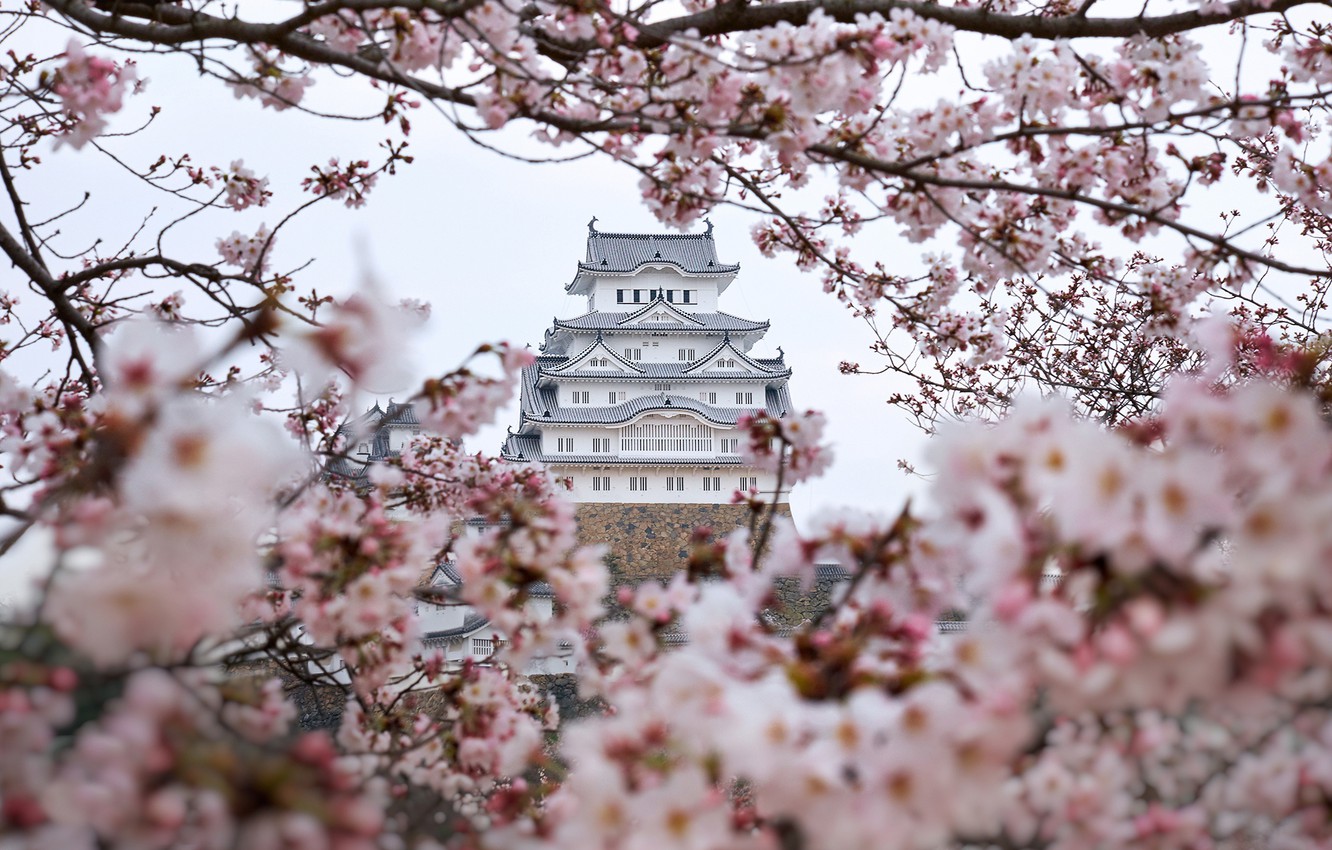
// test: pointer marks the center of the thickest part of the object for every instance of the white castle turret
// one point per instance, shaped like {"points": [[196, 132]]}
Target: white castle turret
{"points": [[637, 399]]}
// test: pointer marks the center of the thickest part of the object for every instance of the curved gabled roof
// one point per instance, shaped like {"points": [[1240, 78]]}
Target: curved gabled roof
{"points": [[564, 367], [778, 369], [660, 303], [541, 405]]}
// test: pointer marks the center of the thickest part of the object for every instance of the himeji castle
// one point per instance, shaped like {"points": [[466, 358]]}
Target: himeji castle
{"points": [[636, 400]]}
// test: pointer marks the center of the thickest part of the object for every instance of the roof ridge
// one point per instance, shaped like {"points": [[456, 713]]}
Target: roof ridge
{"points": [[623, 235]]}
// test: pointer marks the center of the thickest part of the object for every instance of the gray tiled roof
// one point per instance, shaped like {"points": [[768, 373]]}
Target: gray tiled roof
{"points": [[769, 367], [372, 428], [527, 447], [833, 571], [455, 581], [694, 253], [717, 322], [471, 623], [541, 405], [700, 363], [773, 369]]}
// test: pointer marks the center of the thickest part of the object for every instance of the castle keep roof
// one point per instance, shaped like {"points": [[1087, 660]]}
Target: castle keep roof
{"points": [[702, 323], [624, 253]]}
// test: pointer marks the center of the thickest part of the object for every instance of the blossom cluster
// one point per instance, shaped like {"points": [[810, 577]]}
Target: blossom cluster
{"points": [[90, 88], [790, 445]]}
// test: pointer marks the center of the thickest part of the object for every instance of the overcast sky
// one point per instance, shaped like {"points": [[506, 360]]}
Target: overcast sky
{"points": [[490, 242]]}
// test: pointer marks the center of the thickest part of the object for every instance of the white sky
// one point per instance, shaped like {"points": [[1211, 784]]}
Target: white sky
{"points": [[488, 241]]}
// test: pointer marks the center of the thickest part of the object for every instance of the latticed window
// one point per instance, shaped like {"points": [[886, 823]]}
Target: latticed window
{"points": [[564, 444], [687, 354], [637, 482], [710, 398], [601, 445], [482, 647], [666, 437], [744, 398], [748, 483], [674, 482], [600, 482], [729, 445], [712, 483]]}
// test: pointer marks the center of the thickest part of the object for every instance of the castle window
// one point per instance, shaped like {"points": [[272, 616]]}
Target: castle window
{"points": [[712, 483], [670, 296], [581, 397], [729, 445], [688, 295], [600, 445], [666, 437], [611, 397], [710, 398], [600, 482], [687, 354], [619, 296], [674, 482], [482, 647], [661, 388], [744, 398], [638, 296], [637, 482], [633, 354], [747, 484]]}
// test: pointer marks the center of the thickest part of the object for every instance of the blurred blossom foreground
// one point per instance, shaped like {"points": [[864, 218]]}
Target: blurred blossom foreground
{"points": [[264, 618]]}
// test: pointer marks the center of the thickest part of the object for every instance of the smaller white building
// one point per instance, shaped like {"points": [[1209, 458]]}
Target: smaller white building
{"points": [[453, 626]]}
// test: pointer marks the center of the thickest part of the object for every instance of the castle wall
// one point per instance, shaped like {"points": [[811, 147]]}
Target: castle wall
{"points": [[651, 541]]}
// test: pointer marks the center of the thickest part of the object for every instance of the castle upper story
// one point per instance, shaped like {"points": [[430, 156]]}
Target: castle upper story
{"points": [[637, 399]]}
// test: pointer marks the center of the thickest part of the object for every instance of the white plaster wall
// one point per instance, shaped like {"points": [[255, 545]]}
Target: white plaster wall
{"points": [[693, 493], [437, 618], [706, 290], [400, 436]]}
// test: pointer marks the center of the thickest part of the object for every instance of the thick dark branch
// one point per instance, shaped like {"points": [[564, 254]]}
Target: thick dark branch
{"points": [[72, 319], [112, 266], [175, 26], [726, 18]]}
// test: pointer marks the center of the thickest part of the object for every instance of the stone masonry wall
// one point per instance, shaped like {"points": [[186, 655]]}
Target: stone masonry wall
{"points": [[652, 541]]}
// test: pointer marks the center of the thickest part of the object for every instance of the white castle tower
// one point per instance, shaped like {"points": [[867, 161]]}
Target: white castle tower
{"points": [[637, 399]]}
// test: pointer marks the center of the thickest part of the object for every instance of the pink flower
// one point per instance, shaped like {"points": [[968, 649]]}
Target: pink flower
{"points": [[90, 88], [243, 189], [250, 253]]}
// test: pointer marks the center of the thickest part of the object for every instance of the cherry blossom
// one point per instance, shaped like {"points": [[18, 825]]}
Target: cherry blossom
{"points": [[90, 88], [1105, 624]]}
